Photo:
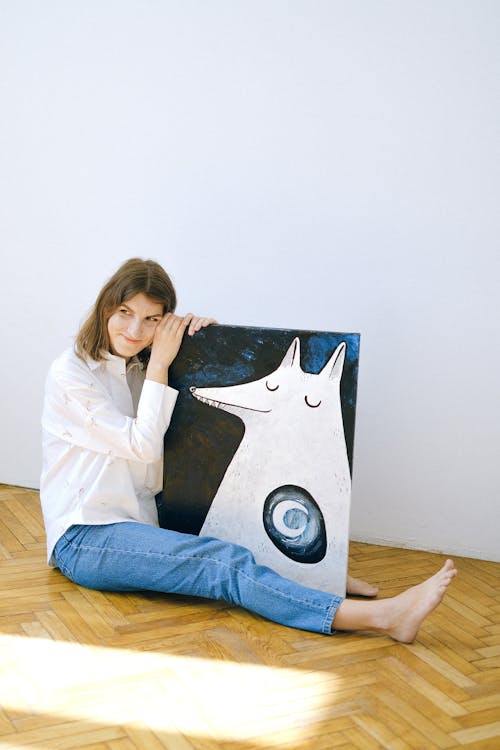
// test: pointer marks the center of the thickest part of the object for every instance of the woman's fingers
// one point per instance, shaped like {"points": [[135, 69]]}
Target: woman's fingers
{"points": [[198, 322], [175, 325]]}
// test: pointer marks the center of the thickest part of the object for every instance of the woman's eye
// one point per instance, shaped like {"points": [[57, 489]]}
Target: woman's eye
{"points": [[270, 388]]}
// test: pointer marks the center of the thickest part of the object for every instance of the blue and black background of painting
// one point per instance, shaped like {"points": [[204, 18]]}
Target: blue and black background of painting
{"points": [[201, 440]]}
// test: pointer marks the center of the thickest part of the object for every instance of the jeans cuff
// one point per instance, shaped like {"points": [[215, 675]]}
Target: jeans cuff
{"points": [[330, 615]]}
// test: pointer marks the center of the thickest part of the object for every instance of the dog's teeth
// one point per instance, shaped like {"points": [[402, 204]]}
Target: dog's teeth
{"points": [[209, 401]]}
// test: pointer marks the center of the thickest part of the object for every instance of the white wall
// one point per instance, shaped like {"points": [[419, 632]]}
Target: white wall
{"points": [[292, 163]]}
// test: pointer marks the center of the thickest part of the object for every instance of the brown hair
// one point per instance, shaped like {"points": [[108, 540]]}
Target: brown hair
{"points": [[135, 276]]}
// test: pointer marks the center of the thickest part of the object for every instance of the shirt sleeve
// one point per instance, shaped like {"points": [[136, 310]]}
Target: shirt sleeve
{"points": [[79, 410]]}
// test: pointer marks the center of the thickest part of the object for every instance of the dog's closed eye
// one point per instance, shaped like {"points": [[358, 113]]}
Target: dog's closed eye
{"points": [[313, 406]]}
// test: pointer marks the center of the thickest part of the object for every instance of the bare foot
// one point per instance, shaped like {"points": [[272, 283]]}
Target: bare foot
{"points": [[357, 587], [405, 613]]}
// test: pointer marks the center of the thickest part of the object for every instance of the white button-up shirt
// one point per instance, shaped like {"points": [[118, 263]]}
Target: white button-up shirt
{"points": [[103, 426]]}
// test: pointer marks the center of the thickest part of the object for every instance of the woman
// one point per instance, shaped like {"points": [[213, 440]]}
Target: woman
{"points": [[106, 409]]}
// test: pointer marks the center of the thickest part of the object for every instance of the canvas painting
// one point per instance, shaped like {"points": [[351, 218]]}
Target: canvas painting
{"points": [[260, 448]]}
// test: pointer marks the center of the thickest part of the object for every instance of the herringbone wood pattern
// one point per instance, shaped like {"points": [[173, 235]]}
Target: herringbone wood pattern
{"points": [[84, 669]]}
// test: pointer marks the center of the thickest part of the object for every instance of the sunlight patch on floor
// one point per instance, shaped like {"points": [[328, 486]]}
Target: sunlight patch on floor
{"points": [[218, 699]]}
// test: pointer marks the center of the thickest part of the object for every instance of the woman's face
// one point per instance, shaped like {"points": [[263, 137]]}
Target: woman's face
{"points": [[132, 326]]}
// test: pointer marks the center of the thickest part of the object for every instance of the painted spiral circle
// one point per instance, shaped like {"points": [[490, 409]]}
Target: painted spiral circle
{"points": [[294, 523]]}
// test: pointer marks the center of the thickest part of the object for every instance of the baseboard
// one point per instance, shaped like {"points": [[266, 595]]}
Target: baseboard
{"points": [[458, 551]]}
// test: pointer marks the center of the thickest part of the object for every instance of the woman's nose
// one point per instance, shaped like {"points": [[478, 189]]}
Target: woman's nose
{"points": [[135, 328]]}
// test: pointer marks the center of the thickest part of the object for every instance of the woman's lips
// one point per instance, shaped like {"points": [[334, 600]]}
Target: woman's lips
{"points": [[131, 341]]}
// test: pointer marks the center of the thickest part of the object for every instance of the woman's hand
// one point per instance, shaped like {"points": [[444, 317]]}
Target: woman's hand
{"points": [[197, 322], [167, 340]]}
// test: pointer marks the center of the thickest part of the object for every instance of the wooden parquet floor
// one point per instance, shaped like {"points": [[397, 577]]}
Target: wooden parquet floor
{"points": [[85, 669]]}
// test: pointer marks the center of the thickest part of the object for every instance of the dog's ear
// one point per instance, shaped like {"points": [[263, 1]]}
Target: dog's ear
{"points": [[292, 357], [333, 368]]}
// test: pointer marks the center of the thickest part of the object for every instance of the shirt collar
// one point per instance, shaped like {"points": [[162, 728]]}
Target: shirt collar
{"points": [[113, 362]]}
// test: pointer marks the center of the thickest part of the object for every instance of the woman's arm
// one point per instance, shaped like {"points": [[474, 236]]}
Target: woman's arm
{"points": [[79, 410]]}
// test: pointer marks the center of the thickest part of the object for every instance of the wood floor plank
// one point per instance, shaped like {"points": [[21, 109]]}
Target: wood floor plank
{"points": [[436, 658], [360, 739], [431, 692], [482, 732], [416, 717], [380, 732]]}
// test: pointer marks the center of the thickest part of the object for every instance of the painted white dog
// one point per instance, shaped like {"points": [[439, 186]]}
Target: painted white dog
{"points": [[286, 493]]}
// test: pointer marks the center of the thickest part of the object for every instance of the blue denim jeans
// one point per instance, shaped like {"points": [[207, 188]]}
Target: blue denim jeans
{"points": [[130, 556]]}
